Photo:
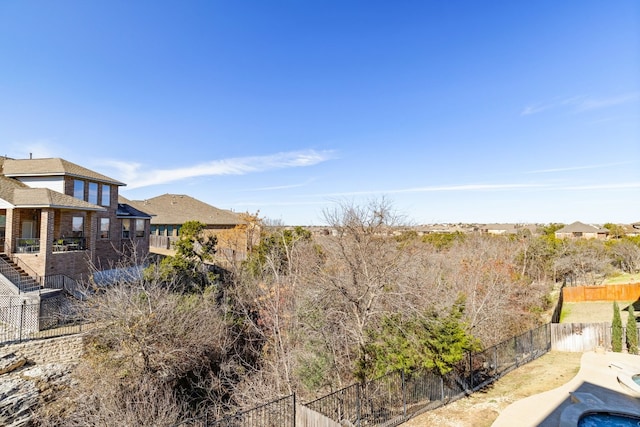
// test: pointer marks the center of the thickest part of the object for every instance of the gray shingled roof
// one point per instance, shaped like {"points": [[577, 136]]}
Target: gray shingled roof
{"points": [[579, 227], [16, 168], [47, 198], [8, 186], [22, 196], [176, 209]]}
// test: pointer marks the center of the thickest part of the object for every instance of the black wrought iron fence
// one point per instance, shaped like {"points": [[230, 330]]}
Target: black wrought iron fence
{"points": [[20, 321], [392, 399], [277, 413]]}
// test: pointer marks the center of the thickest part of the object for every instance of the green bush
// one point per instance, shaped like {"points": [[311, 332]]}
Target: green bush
{"points": [[632, 331], [616, 329]]}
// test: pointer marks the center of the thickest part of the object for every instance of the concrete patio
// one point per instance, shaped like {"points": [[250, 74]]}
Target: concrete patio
{"points": [[595, 378]]}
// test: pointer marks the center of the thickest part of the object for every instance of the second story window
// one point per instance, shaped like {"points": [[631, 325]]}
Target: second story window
{"points": [[78, 189], [126, 228], [77, 226], [106, 195], [104, 228], [93, 193], [139, 227]]}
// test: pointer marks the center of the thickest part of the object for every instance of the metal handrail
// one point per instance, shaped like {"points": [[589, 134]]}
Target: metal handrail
{"points": [[24, 284], [21, 264]]}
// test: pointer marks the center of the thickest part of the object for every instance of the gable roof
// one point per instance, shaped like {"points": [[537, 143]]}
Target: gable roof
{"points": [[176, 209], [579, 227], [45, 197], [23, 196], [16, 168]]}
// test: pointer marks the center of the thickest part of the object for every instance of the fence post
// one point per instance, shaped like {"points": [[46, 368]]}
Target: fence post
{"points": [[530, 344], [515, 350], [294, 410], [404, 396], [441, 388], [358, 405], [21, 320], [471, 369]]}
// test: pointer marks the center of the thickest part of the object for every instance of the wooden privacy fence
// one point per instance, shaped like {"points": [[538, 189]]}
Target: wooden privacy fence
{"points": [[628, 292], [581, 337], [309, 418]]}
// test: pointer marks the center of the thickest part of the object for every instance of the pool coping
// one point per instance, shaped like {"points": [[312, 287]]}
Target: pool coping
{"points": [[595, 378], [585, 404]]}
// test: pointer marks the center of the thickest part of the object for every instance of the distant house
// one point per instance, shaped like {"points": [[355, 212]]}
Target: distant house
{"points": [[578, 230], [632, 230], [170, 211], [499, 229], [60, 219]]}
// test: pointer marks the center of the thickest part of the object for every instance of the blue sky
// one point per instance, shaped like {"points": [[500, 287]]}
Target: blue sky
{"points": [[461, 111]]}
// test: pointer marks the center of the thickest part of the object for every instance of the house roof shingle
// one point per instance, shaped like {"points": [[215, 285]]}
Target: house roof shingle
{"points": [[21, 195], [177, 209], [579, 227], [16, 168]]}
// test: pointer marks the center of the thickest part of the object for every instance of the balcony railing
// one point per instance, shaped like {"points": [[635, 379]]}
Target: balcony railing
{"points": [[68, 244], [30, 245]]}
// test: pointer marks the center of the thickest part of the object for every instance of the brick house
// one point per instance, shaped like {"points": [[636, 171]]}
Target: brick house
{"points": [[59, 219], [169, 211], [579, 230]]}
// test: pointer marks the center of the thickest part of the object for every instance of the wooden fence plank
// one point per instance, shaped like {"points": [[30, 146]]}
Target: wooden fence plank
{"points": [[580, 337], [626, 292]]}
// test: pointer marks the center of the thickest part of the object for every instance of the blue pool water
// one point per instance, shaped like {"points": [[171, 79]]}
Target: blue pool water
{"points": [[602, 419]]}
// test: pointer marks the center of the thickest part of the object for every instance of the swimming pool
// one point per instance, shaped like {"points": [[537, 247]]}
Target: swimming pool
{"points": [[606, 419]]}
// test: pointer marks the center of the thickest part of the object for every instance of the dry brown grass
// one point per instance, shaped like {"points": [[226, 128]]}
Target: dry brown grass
{"points": [[483, 407]]}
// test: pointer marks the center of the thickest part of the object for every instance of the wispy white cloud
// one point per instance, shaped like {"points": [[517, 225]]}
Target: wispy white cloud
{"points": [[556, 103], [596, 103], [275, 188], [575, 168], [610, 186], [137, 176], [443, 188], [581, 103]]}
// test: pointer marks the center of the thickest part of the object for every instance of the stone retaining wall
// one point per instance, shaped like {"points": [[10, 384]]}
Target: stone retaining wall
{"points": [[53, 350]]}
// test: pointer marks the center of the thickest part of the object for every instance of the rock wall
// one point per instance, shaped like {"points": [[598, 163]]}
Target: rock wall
{"points": [[66, 349], [31, 373]]}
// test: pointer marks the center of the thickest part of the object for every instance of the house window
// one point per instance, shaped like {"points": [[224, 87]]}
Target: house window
{"points": [[106, 195], [126, 228], [78, 189], [3, 225], [139, 227], [93, 193], [104, 228], [77, 226]]}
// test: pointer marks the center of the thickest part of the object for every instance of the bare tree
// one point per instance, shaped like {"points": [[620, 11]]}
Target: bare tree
{"points": [[361, 265], [155, 355]]}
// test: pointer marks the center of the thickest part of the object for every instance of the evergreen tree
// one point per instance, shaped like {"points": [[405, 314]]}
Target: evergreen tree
{"points": [[616, 329], [632, 331], [428, 341]]}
